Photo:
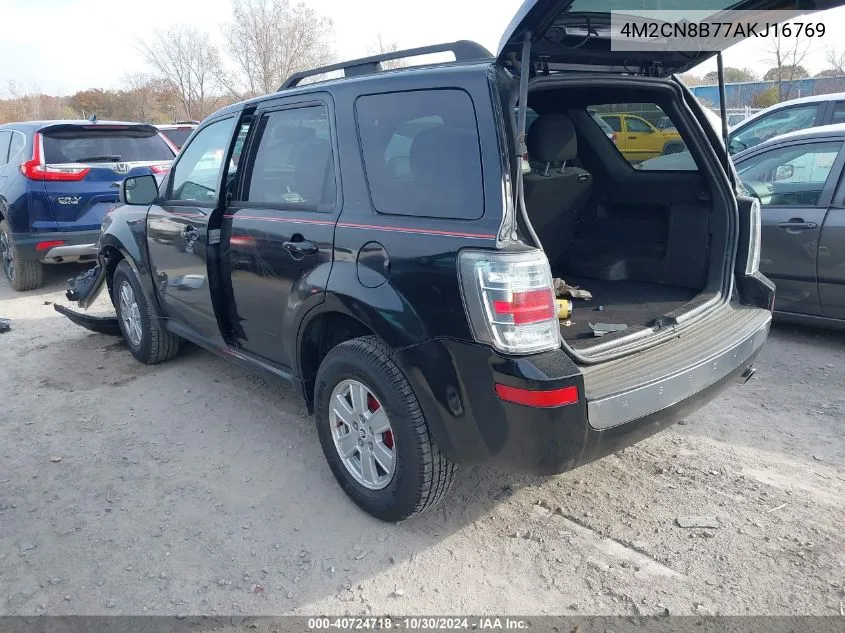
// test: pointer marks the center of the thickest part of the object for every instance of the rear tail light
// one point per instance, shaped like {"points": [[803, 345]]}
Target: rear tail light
{"points": [[161, 168], [752, 264], [613, 138], [510, 301], [36, 169], [46, 246]]}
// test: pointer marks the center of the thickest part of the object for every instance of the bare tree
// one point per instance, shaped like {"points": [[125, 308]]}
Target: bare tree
{"points": [[268, 40], [188, 59], [786, 55], [836, 60], [380, 47], [140, 95]]}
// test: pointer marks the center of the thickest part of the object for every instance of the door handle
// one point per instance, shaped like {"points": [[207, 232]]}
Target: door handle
{"points": [[632, 138], [300, 247], [190, 233], [797, 224]]}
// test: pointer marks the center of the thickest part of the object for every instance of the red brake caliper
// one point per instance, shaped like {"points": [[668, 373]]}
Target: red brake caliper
{"points": [[373, 405]]}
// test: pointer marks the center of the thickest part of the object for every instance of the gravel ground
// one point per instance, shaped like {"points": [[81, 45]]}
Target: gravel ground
{"points": [[196, 487]]}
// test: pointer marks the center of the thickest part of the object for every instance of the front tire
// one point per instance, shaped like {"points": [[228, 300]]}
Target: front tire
{"points": [[373, 433], [22, 275], [139, 322]]}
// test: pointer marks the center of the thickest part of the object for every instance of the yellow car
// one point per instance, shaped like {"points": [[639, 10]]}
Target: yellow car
{"points": [[639, 140]]}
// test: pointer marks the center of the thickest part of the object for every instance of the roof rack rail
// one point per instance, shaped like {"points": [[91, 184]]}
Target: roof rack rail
{"points": [[464, 51]]}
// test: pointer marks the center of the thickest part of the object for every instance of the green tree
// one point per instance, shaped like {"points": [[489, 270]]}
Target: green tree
{"points": [[768, 97], [732, 75]]}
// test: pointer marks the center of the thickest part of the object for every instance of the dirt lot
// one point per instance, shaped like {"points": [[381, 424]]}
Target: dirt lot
{"points": [[196, 487]]}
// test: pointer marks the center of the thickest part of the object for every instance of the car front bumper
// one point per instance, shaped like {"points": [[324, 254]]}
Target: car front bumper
{"points": [[455, 384]]}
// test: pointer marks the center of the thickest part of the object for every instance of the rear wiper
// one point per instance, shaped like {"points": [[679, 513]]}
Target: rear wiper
{"points": [[99, 159]]}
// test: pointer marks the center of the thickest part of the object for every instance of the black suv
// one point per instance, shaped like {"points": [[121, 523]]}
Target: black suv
{"points": [[374, 241]]}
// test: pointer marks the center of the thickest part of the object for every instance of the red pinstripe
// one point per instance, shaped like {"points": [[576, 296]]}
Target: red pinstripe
{"points": [[371, 227]]}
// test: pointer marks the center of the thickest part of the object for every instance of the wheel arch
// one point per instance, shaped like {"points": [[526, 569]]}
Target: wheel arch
{"points": [[323, 330]]}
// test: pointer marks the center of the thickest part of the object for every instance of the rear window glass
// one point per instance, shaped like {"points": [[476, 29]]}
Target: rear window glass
{"points": [[644, 135], [293, 164], [85, 145], [177, 137], [421, 153]]}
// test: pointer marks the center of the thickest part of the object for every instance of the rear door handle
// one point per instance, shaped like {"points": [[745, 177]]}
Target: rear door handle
{"points": [[300, 247], [797, 225]]}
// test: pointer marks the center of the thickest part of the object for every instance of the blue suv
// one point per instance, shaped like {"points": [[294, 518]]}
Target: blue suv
{"points": [[57, 181]]}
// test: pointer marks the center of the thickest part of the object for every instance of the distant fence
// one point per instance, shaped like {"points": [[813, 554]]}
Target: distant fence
{"points": [[741, 95]]}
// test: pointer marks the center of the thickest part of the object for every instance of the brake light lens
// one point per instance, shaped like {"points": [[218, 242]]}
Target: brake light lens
{"points": [[161, 168], [509, 300], [36, 169]]}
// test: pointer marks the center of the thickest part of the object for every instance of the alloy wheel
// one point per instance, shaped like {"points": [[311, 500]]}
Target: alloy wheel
{"points": [[362, 434], [130, 314]]}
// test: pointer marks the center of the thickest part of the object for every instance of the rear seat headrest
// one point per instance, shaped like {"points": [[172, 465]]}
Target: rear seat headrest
{"points": [[551, 139]]}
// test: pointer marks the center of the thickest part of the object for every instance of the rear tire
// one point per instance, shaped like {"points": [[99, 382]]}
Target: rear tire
{"points": [[141, 325], [421, 475], [674, 147], [22, 275]]}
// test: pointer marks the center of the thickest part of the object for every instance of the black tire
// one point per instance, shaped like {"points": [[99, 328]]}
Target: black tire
{"points": [[422, 475], [674, 147], [156, 344], [22, 275]]}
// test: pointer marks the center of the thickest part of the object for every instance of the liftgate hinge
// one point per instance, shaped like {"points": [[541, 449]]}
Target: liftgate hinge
{"points": [[214, 236]]}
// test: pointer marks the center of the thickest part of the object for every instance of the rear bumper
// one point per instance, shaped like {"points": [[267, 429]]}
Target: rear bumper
{"points": [[454, 383], [75, 246]]}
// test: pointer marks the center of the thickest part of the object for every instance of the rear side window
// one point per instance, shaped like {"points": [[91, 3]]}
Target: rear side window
{"points": [[88, 145], [645, 136], [18, 142], [178, 136], [421, 153], [292, 165], [5, 138]]}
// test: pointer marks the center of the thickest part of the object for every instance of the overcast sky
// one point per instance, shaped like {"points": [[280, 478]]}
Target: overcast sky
{"points": [[61, 46]]}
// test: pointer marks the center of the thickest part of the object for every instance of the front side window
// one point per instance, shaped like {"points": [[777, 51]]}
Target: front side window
{"points": [[790, 176], [292, 164], [774, 124], [197, 172], [421, 153]]}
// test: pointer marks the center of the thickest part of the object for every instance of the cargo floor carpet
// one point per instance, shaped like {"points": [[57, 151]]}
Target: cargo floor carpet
{"points": [[628, 302]]}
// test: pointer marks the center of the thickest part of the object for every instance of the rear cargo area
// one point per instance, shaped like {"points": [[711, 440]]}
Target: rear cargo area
{"points": [[627, 302], [647, 243]]}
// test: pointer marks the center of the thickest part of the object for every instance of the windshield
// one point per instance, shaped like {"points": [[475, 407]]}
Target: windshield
{"points": [[78, 145]]}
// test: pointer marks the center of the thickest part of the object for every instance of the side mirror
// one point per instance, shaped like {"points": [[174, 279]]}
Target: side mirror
{"points": [[138, 190], [784, 172]]}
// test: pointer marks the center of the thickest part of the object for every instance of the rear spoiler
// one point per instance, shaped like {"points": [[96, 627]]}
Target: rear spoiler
{"points": [[136, 129]]}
